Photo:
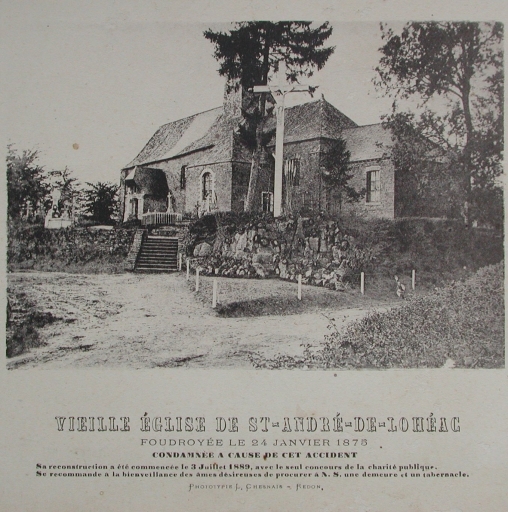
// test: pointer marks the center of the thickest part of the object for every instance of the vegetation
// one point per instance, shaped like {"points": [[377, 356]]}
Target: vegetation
{"points": [[23, 321], [27, 187], [31, 191], [455, 72], [251, 52], [460, 325], [336, 175], [71, 250], [437, 249], [101, 201]]}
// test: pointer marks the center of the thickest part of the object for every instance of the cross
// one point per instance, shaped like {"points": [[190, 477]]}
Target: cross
{"points": [[279, 91]]}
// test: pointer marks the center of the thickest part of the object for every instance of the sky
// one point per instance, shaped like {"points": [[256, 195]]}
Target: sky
{"points": [[89, 95]]}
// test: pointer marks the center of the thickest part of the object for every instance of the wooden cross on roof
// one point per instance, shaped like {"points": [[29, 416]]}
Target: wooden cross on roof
{"points": [[279, 91]]}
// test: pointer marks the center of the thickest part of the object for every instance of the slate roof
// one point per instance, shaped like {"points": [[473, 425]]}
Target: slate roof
{"points": [[150, 181], [183, 136], [313, 120], [213, 131], [368, 142]]}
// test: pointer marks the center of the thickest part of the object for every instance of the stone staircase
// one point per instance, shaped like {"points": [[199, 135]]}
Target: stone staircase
{"points": [[157, 254]]}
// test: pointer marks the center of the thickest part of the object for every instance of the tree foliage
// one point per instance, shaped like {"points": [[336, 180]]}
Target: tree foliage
{"points": [[101, 201], [455, 71], [427, 179], [251, 52], [335, 169], [27, 186]]}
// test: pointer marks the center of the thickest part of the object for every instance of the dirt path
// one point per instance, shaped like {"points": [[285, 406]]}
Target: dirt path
{"points": [[149, 321]]}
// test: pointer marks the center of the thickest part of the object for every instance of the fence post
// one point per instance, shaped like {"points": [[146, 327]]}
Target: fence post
{"points": [[299, 286], [197, 279], [214, 293], [413, 279], [179, 262], [188, 269], [362, 283]]}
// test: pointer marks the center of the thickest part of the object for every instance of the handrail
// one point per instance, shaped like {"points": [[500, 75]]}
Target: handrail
{"points": [[160, 218]]}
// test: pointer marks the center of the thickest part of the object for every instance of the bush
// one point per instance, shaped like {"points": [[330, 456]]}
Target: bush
{"points": [[463, 322]]}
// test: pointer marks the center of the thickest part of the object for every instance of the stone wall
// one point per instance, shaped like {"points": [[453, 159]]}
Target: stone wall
{"points": [[320, 251]]}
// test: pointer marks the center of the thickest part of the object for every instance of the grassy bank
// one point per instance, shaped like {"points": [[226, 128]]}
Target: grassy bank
{"points": [[460, 325], [265, 297]]}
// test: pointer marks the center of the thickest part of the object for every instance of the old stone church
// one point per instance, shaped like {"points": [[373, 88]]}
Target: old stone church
{"points": [[198, 164]]}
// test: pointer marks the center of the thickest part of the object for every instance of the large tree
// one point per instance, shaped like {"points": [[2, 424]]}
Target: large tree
{"points": [[454, 71], [27, 186], [250, 53], [101, 201]]}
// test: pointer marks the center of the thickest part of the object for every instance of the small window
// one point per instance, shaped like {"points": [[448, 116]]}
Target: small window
{"points": [[373, 187], [207, 186], [292, 171], [183, 177], [267, 202]]}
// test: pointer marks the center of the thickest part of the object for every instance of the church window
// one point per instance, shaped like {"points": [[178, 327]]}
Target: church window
{"points": [[183, 177], [207, 185], [267, 202], [292, 171], [373, 186]]}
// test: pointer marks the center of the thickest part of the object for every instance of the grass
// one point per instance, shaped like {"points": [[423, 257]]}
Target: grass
{"points": [[24, 320], [261, 297], [461, 324]]}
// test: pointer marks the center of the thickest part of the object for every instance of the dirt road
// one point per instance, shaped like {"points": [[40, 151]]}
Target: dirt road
{"points": [[150, 321]]}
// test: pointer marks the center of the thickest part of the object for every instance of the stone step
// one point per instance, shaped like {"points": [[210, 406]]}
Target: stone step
{"points": [[160, 245], [155, 253], [158, 254], [155, 270], [162, 248]]}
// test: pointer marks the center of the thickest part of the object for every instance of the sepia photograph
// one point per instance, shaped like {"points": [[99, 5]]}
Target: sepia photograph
{"points": [[273, 195], [253, 256]]}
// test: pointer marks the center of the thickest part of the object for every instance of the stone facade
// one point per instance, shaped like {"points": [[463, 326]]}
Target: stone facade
{"points": [[207, 168], [385, 206]]}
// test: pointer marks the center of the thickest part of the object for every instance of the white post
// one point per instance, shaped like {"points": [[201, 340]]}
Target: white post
{"points": [[299, 286], [214, 293], [179, 261], [279, 158], [188, 269], [413, 279], [279, 91], [197, 279], [362, 283]]}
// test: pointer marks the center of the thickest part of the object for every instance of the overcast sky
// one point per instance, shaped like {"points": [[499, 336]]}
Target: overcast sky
{"points": [[105, 88]]}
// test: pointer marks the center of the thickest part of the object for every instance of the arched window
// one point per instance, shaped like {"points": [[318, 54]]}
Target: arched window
{"points": [[207, 185]]}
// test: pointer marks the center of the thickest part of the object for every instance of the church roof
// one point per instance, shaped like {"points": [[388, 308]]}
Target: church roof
{"points": [[183, 136], [368, 142], [150, 181], [313, 120], [212, 130]]}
